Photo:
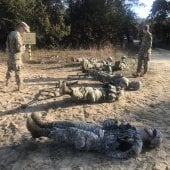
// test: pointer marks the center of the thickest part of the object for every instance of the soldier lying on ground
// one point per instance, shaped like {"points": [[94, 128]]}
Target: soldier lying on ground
{"points": [[112, 138], [120, 65], [116, 80], [90, 94], [104, 65], [90, 63]]}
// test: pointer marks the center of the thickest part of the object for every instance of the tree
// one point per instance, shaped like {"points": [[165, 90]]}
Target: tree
{"points": [[160, 19]]}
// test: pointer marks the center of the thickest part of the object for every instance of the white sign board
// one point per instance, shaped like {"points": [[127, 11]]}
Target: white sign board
{"points": [[29, 38]]}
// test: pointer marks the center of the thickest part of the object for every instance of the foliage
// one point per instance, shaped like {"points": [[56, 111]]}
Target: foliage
{"points": [[160, 19], [75, 23]]}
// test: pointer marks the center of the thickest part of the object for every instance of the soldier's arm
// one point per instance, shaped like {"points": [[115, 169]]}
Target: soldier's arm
{"points": [[149, 41], [110, 124], [134, 151], [19, 44]]}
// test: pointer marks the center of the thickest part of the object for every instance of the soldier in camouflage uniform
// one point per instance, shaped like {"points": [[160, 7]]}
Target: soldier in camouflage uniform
{"points": [[15, 48], [120, 65], [144, 52], [89, 94], [112, 138], [104, 65]]}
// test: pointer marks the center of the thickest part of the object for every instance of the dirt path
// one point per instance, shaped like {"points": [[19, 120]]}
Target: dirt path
{"points": [[149, 106]]}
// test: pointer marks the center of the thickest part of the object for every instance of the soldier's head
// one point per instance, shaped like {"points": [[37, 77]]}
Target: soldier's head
{"points": [[123, 58], [23, 27], [109, 59], [146, 28], [152, 138]]}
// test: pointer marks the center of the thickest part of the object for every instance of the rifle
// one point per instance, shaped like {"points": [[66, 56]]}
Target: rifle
{"points": [[47, 93], [77, 76]]}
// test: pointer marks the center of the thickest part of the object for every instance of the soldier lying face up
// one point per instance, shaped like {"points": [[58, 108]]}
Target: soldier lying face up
{"points": [[105, 93], [111, 138]]}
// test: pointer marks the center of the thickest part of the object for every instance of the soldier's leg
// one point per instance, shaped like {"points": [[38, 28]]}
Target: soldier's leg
{"points": [[18, 74], [9, 71], [139, 66], [78, 138], [146, 63], [66, 124]]}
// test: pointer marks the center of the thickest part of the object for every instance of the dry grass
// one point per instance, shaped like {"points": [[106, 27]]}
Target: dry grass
{"points": [[68, 55]]}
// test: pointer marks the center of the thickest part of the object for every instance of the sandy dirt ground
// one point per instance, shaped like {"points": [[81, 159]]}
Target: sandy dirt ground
{"points": [[149, 106]]}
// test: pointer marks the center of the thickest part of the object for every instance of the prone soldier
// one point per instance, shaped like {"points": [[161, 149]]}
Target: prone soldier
{"points": [[105, 65], [94, 64], [112, 138], [116, 80], [105, 93]]}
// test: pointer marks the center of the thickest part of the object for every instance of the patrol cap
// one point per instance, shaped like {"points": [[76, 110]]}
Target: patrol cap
{"points": [[25, 26]]}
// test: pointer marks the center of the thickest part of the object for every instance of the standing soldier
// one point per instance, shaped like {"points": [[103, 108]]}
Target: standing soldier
{"points": [[144, 52], [15, 49]]}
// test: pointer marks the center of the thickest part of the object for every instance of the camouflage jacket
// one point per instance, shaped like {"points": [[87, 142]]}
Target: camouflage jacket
{"points": [[14, 43], [104, 65], [91, 94], [111, 138], [146, 44]]}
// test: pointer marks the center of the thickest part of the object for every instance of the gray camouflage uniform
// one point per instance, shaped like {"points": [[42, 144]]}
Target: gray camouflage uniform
{"points": [[145, 52], [111, 138]]}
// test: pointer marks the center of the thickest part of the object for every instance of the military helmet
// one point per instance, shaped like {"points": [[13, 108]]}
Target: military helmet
{"points": [[135, 85], [25, 26], [123, 57], [110, 59]]}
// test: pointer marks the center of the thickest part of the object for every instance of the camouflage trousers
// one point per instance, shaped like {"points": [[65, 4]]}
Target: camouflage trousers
{"points": [[80, 135], [143, 60], [14, 63]]}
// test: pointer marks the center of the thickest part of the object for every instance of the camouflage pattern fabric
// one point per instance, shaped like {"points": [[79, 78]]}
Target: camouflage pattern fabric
{"points": [[95, 94], [120, 65], [117, 141], [104, 65], [144, 52], [15, 48], [119, 81]]}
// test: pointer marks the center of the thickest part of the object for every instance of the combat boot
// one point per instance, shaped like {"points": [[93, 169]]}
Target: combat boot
{"points": [[42, 124], [35, 130]]}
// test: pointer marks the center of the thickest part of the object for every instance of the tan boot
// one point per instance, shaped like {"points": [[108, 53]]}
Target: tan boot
{"points": [[35, 130], [43, 124]]}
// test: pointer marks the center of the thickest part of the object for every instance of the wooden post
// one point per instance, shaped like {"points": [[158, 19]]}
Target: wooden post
{"points": [[29, 52]]}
